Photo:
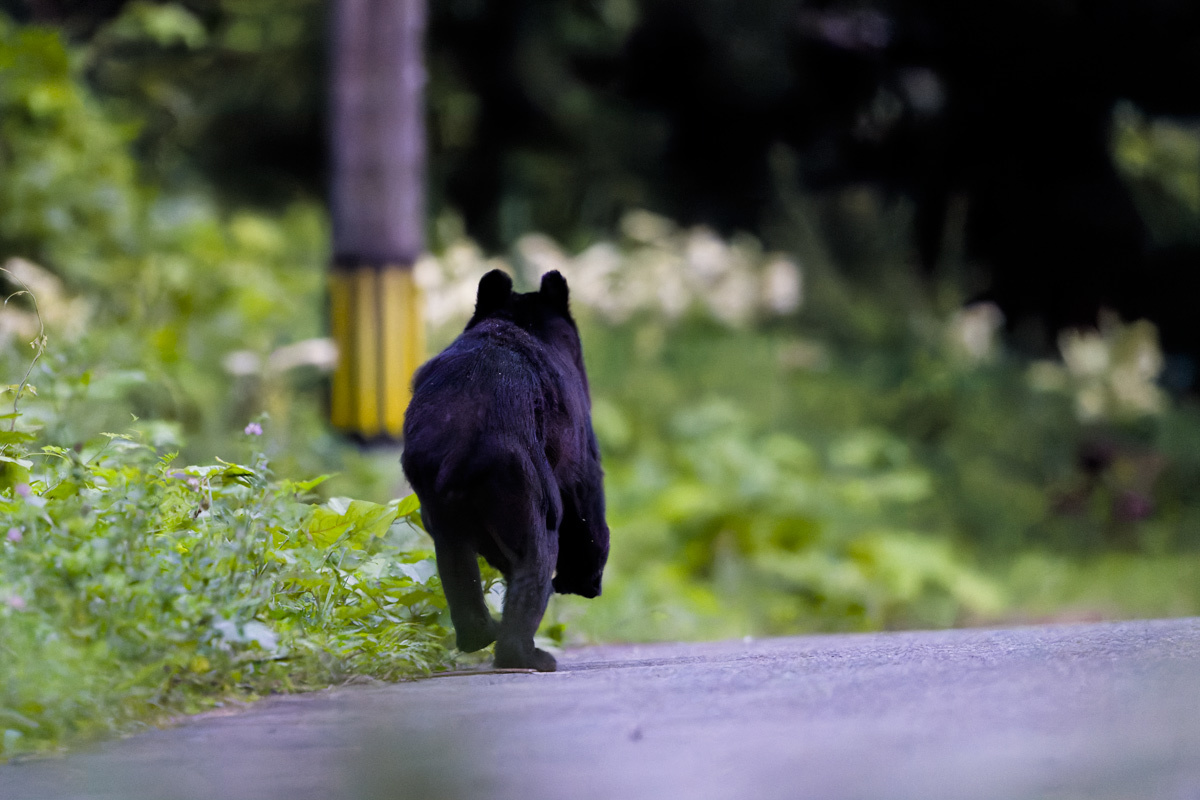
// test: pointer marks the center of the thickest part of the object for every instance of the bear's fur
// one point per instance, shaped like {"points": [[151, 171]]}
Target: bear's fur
{"points": [[498, 446]]}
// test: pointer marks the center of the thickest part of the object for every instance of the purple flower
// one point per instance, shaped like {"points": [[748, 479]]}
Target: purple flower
{"points": [[194, 483], [14, 535], [16, 602], [1133, 506], [253, 429], [23, 489]]}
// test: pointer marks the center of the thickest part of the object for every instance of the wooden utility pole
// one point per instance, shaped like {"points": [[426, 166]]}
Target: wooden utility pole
{"points": [[378, 206]]}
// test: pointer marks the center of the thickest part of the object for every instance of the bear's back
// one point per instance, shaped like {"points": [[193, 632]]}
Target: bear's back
{"points": [[496, 392]]}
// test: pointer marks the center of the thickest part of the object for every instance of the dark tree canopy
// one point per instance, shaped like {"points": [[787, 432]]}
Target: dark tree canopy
{"points": [[992, 123]]}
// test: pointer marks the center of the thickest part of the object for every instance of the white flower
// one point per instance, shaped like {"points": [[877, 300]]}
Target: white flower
{"points": [[241, 363], [973, 331], [428, 273], [1114, 370], [319, 353], [732, 300], [656, 269], [540, 255], [1085, 353], [708, 257], [782, 285], [644, 226]]}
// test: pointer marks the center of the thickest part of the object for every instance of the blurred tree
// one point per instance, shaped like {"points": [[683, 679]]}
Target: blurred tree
{"points": [[224, 92], [82, 16], [378, 160], [970, 138]]}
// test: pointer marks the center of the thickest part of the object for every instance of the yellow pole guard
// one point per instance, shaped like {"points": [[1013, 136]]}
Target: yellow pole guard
{"points": [[376, 320]]}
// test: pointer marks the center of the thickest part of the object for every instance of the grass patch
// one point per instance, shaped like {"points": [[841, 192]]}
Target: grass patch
{"points": [[132, 588]]}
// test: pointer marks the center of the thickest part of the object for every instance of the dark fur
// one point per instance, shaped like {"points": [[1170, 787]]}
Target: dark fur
{"points": [[498, 446]]}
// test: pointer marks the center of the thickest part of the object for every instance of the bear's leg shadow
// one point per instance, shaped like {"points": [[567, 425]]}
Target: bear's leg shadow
{"points": [[458, 567]]}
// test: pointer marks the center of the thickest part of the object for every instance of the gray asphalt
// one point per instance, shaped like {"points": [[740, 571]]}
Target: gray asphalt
{"points": [[1072, 711]]}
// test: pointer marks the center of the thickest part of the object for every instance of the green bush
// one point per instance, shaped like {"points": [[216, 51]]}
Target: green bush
{"points": [[883, 467], [131, 584], [164, 305], [133, 587]]}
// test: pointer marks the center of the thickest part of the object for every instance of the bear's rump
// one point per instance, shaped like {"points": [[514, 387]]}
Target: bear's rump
{"points": [[496, 497]]}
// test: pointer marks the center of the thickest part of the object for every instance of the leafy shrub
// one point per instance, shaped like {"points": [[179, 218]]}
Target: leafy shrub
{"points": [[131, 587], [776, 534], [882, 468], [191, 316]]}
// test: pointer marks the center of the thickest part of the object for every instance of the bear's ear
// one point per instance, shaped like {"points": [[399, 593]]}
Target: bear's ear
{"points": [[494, 291], [554, 290]]}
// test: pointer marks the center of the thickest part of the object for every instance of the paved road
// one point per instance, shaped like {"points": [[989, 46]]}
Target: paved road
{"points": [[1063, 712]]}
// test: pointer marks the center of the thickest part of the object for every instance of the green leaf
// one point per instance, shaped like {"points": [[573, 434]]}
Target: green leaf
{"points": [[62, 491], [235, 470], [166, 25], [26, 463], [325, 527], [420, 572], [308, 485], [360, 522], [238, 473], [408, 505], [369, 519], [13, 388]]}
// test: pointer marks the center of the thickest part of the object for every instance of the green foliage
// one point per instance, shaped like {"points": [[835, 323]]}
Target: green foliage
{"points": [[875, 460], [872, 462], [767, 481], [1160, 159], [769, 523], [132, 588], [164, 305], [227, 89], [68, 192], [779, 535]]}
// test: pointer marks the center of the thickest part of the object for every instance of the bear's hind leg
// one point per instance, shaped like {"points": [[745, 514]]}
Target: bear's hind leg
{"points": [[525, 599], [458, 567], [517, 508], [527, 590]]}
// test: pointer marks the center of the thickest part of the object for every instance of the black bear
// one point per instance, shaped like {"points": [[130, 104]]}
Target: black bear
{"points": [[498, 446]]}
